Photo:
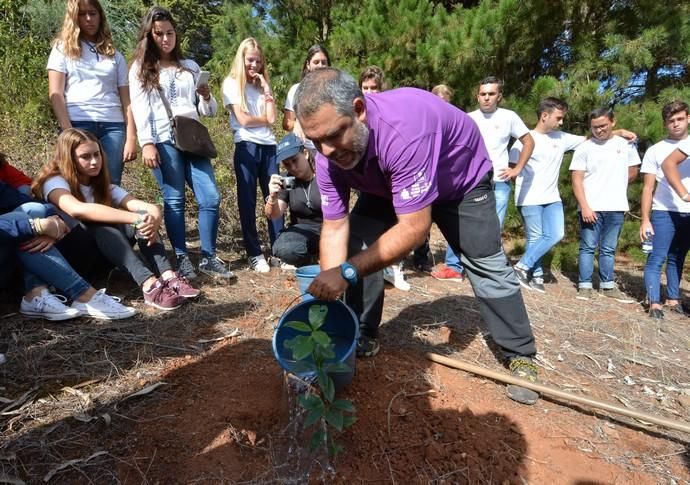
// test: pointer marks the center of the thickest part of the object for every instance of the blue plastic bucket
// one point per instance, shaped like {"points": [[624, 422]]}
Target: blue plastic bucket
{"points": [[305, 275], [341, 325]]}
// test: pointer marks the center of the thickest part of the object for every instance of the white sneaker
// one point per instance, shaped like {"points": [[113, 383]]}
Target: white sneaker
{"points": [[104, 307], [259, 264], [48, 306], [394, 275]]}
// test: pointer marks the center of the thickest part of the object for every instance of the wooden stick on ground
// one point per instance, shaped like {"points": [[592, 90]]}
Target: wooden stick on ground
{"points": [[550, 391]]}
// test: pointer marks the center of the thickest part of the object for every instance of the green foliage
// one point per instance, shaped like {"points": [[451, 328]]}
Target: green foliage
{"points": [[323, 409]]}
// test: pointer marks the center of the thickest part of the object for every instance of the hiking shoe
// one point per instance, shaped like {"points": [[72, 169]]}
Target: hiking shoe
{"points": [[181, 286], [367, 346], [48, 306], [393, 274], [617, 295], [656, 313], [524, 368], [259, 264], [162, 297], [677, 308], [446, 273], [522, 276], [185, 268], [537, 284], [214, 266], [104, 307], [585, 293]]}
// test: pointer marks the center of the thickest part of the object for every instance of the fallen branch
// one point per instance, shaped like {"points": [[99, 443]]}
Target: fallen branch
{"points": [[550, 391]]}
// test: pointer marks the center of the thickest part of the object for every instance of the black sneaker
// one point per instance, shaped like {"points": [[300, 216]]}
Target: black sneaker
{"points": [[185, 268], [523, 277], [214, 266], [523, 368], [423, 266], [367, 346], [656, 313], [677, 308], [537, 284]]}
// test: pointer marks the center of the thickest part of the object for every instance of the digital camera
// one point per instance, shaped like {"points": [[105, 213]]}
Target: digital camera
{"points": [[288, 182]]}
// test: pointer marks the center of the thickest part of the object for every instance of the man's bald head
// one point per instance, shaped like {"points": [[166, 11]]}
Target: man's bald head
{"points": [[327, 86]]}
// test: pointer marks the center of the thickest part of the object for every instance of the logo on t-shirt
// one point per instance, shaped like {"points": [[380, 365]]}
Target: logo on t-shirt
{"points": [[419, 187], [324, 200]]}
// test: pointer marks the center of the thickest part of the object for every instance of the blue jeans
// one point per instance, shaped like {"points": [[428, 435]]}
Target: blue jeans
{"points": [[42, 269], [502, 195], [112, 136], [604, 233], [176, 168], [671, 243], [544, 227], [254, 162]]}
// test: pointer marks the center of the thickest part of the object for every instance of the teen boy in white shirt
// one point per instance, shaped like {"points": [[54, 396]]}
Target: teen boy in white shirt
{"points": [[600, 171], [666, 210], [536, 189]]}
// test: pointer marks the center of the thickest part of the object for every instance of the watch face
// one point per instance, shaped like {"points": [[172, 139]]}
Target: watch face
{"points": [[349, 272]]}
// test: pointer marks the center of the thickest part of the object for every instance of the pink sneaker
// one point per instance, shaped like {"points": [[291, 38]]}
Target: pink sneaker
{"points": [[162, 297], [181, 286], [448, 274]]}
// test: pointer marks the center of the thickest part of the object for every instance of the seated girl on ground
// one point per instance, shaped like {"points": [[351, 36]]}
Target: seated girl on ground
{"points": [[30, 240], [77, 182], [297, 245]]}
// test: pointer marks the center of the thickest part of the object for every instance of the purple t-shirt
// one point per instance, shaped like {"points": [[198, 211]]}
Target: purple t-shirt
{"points": [[421, 150]]}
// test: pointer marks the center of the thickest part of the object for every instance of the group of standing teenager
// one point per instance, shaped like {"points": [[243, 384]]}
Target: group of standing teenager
{"points": [[104, 109]]}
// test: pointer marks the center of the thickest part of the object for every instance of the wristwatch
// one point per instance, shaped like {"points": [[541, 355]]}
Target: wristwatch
{"points": [[349, 273]]}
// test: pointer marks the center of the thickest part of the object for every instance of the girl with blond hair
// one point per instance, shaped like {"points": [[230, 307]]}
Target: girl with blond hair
{"points": [[247, 95], [76, 182], [87, 83], [160, 70]]}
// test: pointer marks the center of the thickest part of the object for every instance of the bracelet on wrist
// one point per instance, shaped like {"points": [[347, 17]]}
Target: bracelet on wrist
{"points": [[34, 229], [270, 200], [684, 197]]}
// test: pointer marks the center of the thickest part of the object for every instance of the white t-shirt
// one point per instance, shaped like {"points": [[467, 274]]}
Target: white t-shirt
{"points": [[606, 172], [496, 129], [117, 193], [91, 83], [665, 198], [290, 98], [179, 88], [537, 184], [262, 135]]}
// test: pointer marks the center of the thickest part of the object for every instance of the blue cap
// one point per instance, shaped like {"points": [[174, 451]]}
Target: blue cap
{"points": [[288, 147]]}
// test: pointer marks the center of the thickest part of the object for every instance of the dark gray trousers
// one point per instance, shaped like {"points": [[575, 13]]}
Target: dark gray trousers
{"points": [[471, 227]]}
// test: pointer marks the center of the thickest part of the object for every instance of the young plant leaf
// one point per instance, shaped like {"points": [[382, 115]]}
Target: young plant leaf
{"points": [[311, 402], [349, 420], [317, 316], [344, 405], [299, 326], [303, 348], [312, 417], [317, 439], [321, 338], [334, 417], [336, 367], [326, 385], [335, 448]]}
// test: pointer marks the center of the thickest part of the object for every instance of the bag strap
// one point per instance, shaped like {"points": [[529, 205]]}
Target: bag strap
{"points": [[161, 94]]}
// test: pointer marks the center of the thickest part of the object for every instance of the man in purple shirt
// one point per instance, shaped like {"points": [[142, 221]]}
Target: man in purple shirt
{"points": [[415, 159]]}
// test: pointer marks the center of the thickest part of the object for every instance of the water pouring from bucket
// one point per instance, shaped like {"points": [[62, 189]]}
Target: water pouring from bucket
{"points": [[316, 341]]}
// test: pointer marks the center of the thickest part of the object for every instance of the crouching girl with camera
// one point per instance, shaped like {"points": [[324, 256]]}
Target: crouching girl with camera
{"points": [[298, 245]]}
